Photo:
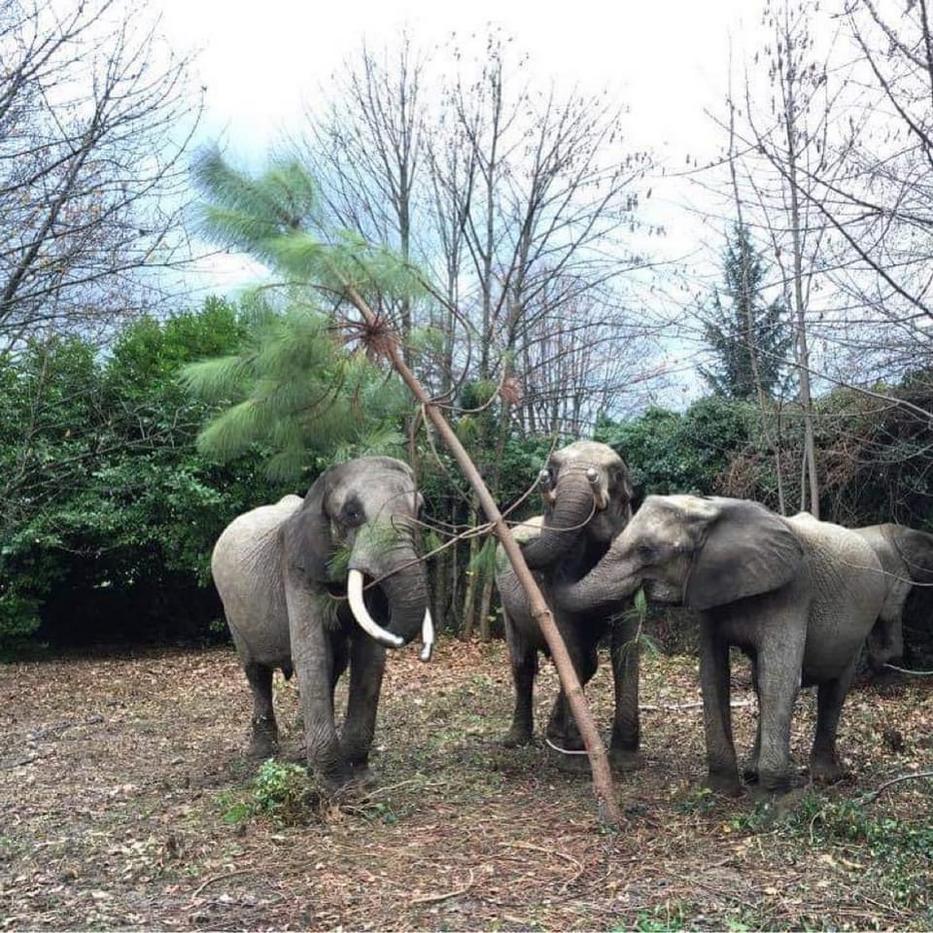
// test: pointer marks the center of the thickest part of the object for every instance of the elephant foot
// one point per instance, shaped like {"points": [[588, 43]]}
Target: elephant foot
{"points": [[362, 776], [750, 773], [624, 760], [726, 784], [771, 784], [826, 770], [568, 753], [334, 780], [264, 742], [516, 737], [572, 764]]}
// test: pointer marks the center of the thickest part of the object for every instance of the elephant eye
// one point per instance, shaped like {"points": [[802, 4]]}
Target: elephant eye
{"points": [[647, 552], [352, 513]]}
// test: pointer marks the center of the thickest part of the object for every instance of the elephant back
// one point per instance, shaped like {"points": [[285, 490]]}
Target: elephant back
{"points": [[528, 530], [849, 583], [246, 567]]}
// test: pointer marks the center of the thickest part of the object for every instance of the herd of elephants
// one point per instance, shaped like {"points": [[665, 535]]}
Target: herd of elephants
{"points": [[315, 585]]}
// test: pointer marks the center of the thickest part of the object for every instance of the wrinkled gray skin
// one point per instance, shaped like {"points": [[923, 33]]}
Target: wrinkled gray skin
{"points": [[591, 512], [907, 558], [798, 596], [272, 568]]}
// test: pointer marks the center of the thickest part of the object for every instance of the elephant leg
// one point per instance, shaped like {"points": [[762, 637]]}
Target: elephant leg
{"points": [[779, 667], [367, 665], [885, 642], [750, 771], [340, 658], [312, 654], [524, 668], [723, 776], [824, 765], [623, 749], [265, 732], [562, 727]]}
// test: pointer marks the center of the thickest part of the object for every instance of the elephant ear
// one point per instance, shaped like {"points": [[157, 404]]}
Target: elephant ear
{"points": [[748, 550], [916, 550], [621, 492], [306, 536]]}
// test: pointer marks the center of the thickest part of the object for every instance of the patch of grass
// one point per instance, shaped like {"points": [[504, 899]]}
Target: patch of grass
{"points": [[286, 793], [670, 915], [899, 851], [700, 800], [234, 810], [740, 924], [384, 811], [757, 820]]}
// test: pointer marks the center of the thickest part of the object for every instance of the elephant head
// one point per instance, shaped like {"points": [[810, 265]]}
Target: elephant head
{"points": [[698, 552], [587, 493], [356, 525]]}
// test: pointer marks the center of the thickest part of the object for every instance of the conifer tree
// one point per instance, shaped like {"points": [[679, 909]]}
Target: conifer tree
{"points": [[749, 337], [296, 392]]}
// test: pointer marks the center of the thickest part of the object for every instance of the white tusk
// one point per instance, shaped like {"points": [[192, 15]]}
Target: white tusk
{"points": [[366, 622], [427, 636]]}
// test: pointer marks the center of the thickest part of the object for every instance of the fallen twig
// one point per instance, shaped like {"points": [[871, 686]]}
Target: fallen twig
{"points": [[876, 793], [735, 704], [59, 727], [435, 898], [11, 763], [567, 858], [229, 874]]}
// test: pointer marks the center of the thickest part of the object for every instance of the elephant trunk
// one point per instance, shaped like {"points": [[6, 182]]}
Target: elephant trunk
{"points": [[391, 560], [574, 505], [610, 581], [407, 595]]}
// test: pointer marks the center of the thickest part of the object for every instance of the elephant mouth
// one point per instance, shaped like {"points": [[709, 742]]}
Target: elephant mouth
{"points": [[667, 593], [357, 581]]}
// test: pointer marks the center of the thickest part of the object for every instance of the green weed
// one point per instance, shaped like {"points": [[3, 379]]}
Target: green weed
{"points": [[668, 916]]}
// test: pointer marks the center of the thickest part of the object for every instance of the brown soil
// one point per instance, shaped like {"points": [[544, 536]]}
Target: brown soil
{"points": [[125, 792]]}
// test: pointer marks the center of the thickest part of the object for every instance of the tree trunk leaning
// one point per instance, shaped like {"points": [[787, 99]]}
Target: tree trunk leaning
{"points": [[607, 804]]}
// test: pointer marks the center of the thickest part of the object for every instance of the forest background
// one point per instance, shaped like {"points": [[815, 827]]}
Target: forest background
{"points": [[550, 305]]}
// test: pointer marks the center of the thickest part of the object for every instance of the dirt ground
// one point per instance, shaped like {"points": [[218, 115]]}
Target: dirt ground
{"points": [[127, 801]]}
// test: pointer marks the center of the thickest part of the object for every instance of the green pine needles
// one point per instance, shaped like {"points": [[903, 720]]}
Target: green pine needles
{"points": [[297, 387], [751, 339], [276, 219]]}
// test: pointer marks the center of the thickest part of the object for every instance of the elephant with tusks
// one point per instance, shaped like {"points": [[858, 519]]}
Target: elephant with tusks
{"points": [[290, 604]]}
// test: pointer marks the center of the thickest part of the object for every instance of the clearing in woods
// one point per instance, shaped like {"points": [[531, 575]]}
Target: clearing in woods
{"points": [[127, 802]]}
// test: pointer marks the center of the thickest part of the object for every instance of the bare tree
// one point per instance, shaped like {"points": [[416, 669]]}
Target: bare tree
{"points": [[95, 116], [367, 149]]}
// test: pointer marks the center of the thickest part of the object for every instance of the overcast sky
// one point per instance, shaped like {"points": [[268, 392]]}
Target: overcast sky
{"points": [[667, 61]]}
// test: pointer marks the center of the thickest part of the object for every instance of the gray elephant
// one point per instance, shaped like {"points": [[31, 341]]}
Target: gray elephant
{"points": [[907, 558], [587, 497], [290, 604], [797, 595]]}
